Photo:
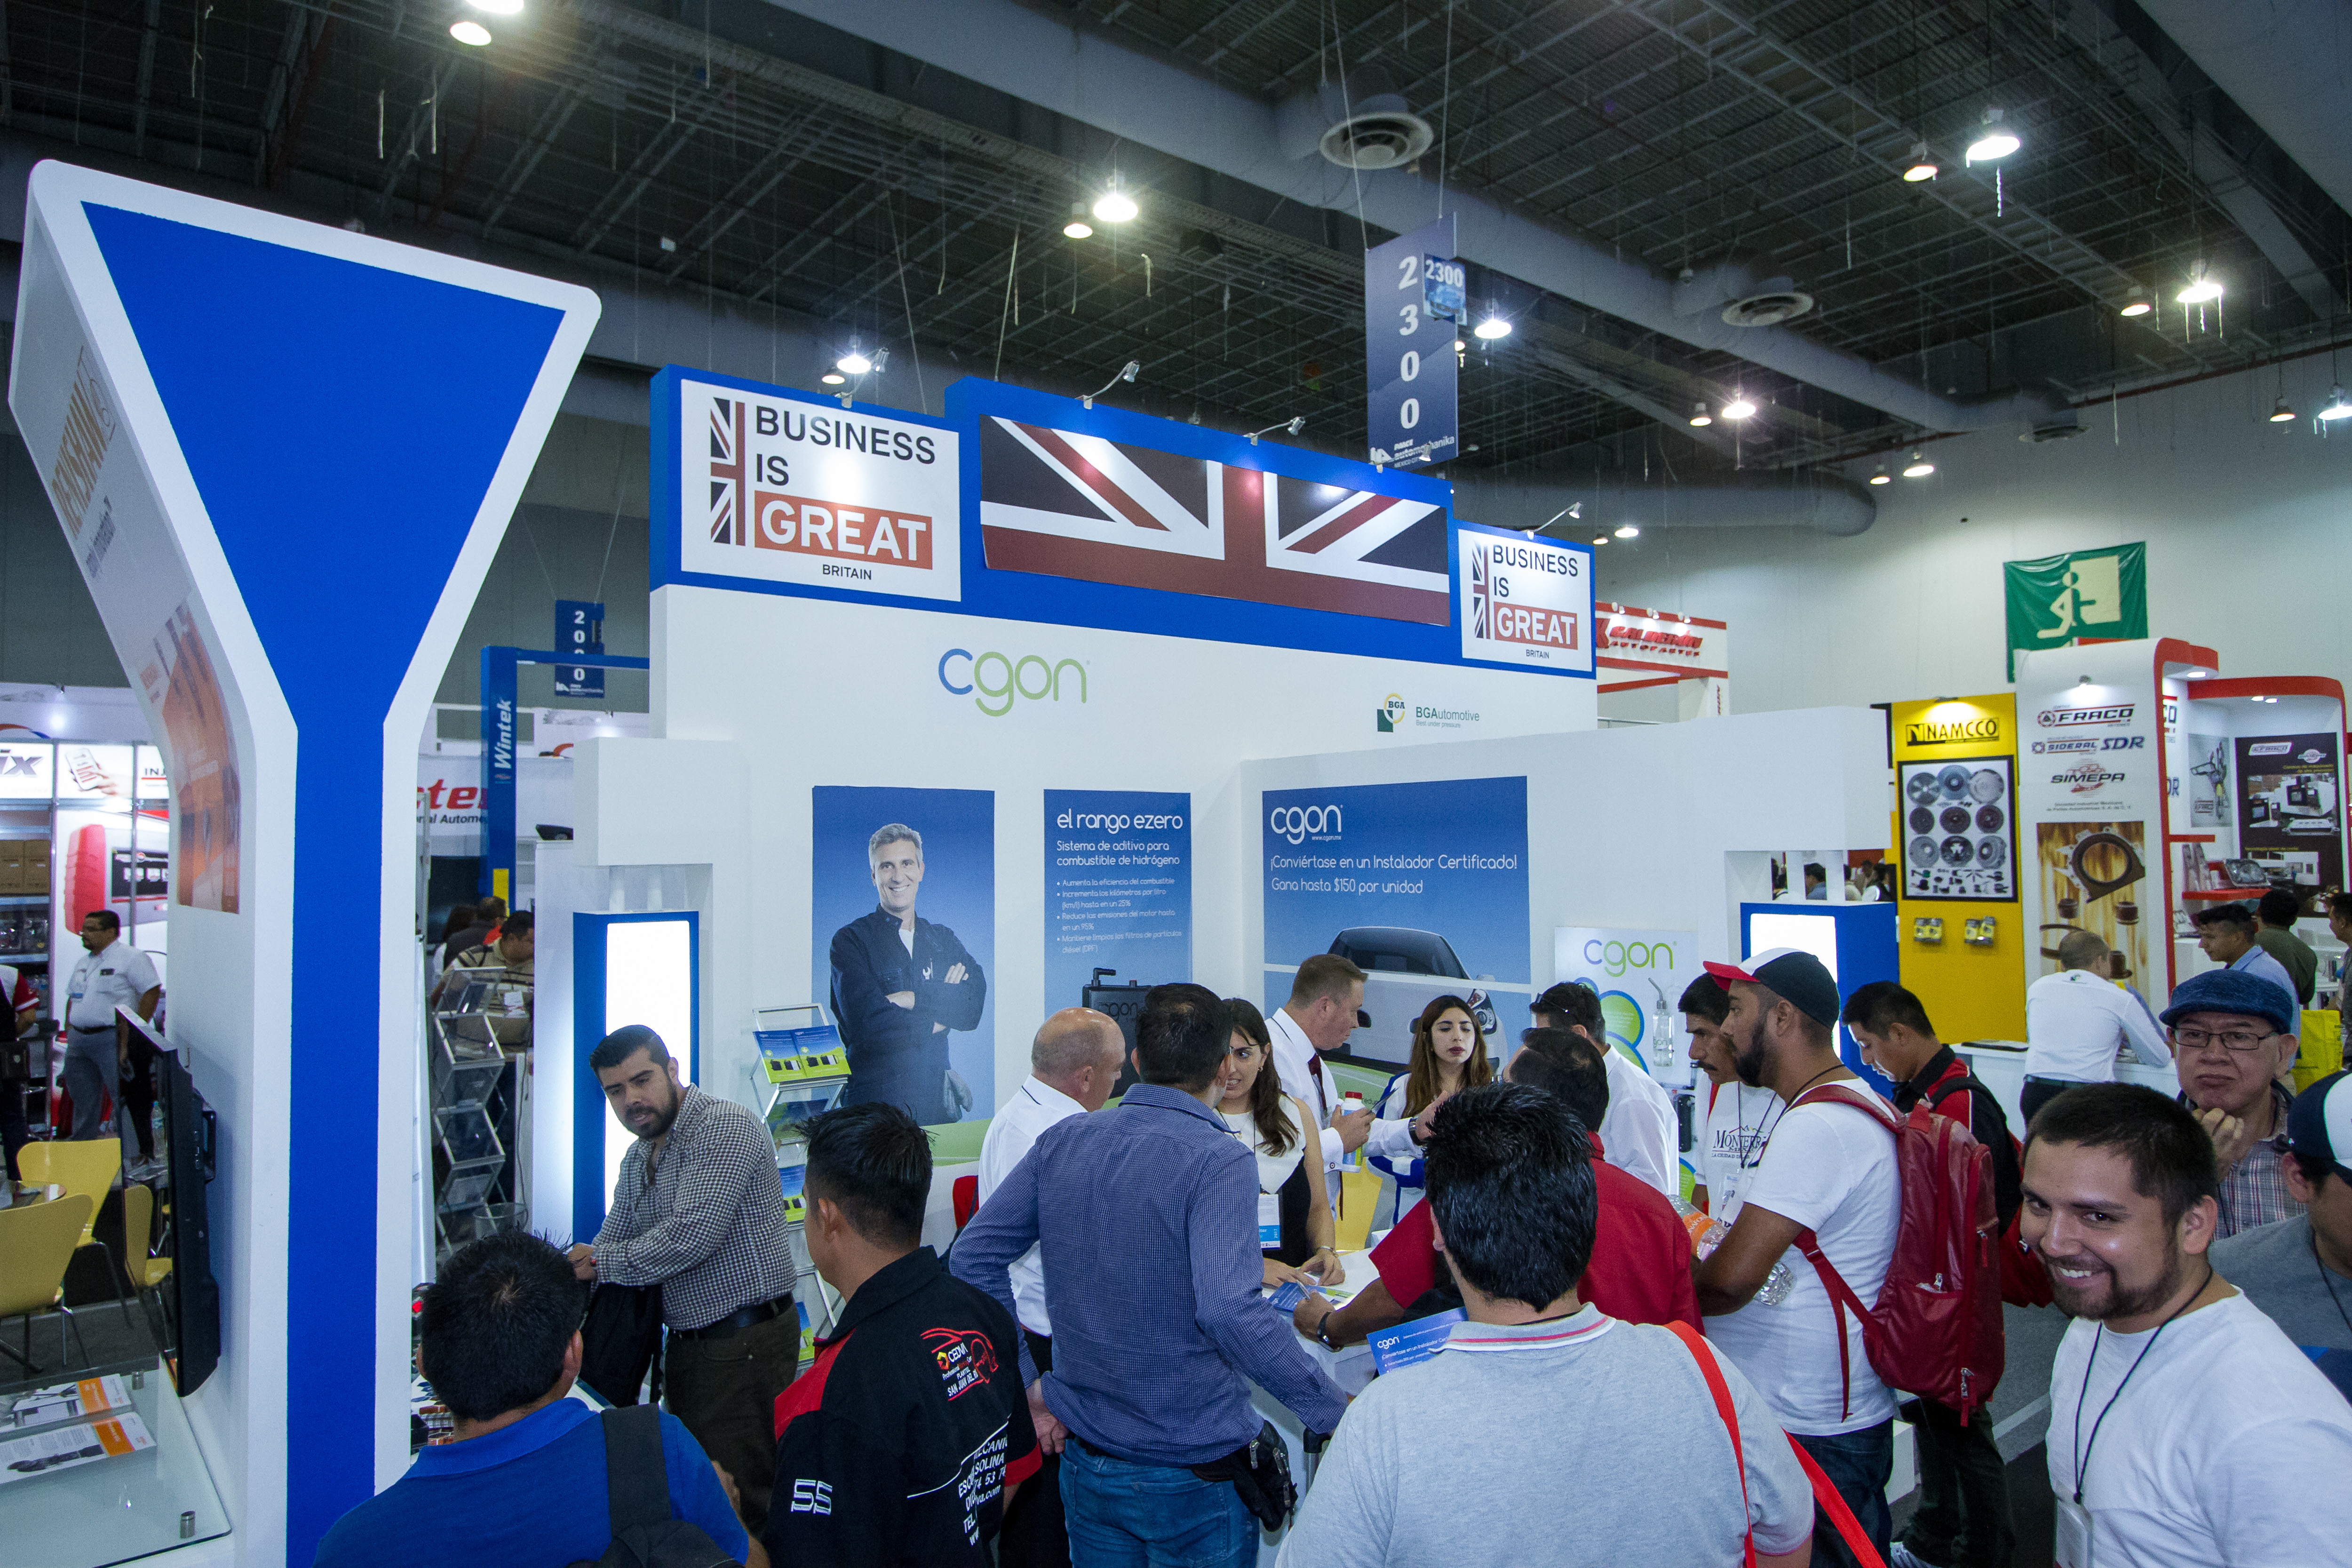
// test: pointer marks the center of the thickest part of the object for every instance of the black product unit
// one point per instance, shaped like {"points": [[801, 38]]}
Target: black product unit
{"points": [[1124, 1005], [191, 1297]]}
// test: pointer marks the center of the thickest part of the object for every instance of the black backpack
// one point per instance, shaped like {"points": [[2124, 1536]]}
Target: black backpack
{"points": [[636, 1482]]}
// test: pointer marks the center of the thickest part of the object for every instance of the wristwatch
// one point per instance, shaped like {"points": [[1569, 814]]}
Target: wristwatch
{"points": [[1323, 1330]]}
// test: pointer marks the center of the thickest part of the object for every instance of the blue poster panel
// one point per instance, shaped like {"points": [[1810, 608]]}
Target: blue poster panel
{"points": [[1119, 889], [1424, 886], [903, 905]]}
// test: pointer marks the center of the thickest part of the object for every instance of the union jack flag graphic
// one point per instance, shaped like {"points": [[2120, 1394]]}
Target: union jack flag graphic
{"points": [[729, 458], [1478, 617], [1071, 505]]}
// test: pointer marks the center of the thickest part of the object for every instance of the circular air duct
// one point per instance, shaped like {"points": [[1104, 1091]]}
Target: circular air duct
{"points": [[1380, 134], [1768, 309]]}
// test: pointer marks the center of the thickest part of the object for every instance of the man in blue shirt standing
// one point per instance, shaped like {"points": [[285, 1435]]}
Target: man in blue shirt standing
{"points": [[523, 1484], [1149, 1351]]}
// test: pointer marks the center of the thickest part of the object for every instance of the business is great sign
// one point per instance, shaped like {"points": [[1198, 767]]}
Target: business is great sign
{"points": [[1525, 601], [787, 488]]}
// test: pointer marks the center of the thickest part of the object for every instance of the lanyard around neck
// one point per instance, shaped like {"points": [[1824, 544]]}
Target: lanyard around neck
{"points": [[2082, 1451]]}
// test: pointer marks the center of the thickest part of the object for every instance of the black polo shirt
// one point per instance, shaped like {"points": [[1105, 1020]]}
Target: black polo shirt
{"points": [[896, 1446]]}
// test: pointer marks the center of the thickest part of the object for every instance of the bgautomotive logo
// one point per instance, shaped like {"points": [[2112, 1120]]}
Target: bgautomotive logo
{"points": [[1002, 679], [1389, 714], [2119, 713], [1298, 824]]}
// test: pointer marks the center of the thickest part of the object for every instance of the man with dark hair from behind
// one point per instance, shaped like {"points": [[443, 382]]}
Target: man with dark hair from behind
{"points": [[523, 1482], [1146, 1219], [1513, 1190], [2185, 1429], [1641, 1130], [2275, 916], [1963, 1517], [899, 1447], [1640, 1266]]}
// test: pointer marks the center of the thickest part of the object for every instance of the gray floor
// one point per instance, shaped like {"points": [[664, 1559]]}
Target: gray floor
{"points": [[2020, 1414]]}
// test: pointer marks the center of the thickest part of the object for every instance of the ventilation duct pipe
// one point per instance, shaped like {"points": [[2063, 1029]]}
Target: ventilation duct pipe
{"points": [[1823, 502], [1077, 73], [2283, 63]]}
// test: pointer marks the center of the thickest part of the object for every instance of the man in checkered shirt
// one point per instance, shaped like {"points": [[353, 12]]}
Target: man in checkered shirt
{"points": [[2232, 1037], [699, 1211]]}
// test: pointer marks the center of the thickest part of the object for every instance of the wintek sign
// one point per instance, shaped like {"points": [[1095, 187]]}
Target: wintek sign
{"points": [[804, 491]]}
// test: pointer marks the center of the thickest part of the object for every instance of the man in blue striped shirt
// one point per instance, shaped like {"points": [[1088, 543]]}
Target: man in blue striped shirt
{"points": [[1147, 1221]]}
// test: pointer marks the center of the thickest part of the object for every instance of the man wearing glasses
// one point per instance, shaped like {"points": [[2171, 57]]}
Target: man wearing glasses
{"points": [[2234, 1036]]}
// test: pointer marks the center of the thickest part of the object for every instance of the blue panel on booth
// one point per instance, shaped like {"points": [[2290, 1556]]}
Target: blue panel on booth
{"points": [[1856, 941]]}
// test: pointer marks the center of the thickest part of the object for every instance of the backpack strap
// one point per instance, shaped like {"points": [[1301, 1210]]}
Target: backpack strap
{"points": [[636, 1477], [1722, 1407], [1842, 1300], [1827, 1499]]}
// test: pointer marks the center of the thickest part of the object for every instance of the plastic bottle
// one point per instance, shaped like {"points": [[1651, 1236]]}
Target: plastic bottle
{"points": [[1706, 1234], [1349, 1103]]}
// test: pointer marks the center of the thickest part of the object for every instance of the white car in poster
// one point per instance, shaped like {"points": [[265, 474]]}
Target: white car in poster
{"points": [[1404, 971]]}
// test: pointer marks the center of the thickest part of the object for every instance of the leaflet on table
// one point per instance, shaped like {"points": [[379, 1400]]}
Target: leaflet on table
{"points": [[69, 1402], [62, 1447], [1286, 1296], [1414, 1342]]}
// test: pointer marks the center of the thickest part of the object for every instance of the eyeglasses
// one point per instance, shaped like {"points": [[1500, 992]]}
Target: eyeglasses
{"points": [[2194, 1039]]}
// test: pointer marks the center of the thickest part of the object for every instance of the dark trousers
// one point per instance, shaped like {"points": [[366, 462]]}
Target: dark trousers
{"points": [[912, 1077], [724, 1392], [14, 1133], [2037, 1092], [139, 1095], [1963, 1518], [1859, 1465], [1036, 1534]]}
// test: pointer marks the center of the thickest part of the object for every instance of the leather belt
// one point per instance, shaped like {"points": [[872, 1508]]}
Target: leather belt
{"points": [[735, 1323]]}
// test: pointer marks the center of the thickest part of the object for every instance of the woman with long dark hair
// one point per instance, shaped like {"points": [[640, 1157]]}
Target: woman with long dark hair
{"points": [[1449, 1054], [1294, 1216]]}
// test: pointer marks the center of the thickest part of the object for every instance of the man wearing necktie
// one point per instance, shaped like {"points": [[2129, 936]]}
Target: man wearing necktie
{"points": [[1325, 997]]}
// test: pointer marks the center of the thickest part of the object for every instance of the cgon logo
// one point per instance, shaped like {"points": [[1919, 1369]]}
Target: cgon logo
{"points": [[994, 681], [1298, 824]]}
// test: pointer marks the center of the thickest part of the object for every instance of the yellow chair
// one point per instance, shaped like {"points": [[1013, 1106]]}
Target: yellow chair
{"points": [[37, 1242], [145, 1273], [84, 1167]]}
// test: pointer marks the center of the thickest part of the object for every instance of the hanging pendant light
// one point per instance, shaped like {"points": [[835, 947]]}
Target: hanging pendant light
{"points": [[1996, 141], [2337, 406], [2280, 413], [2203, 287], [2137, 304], [1919, 467], [1921, 166]]}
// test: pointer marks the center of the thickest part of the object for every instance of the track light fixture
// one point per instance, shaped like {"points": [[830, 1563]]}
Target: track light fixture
{"points": [[1921, 167], [1998, 142], [1918, 468], [1700, 417], [2337, 406], [2280, 413], [1127, 372], [1293, 426], [1880, 477], [1739, 407], [1078, 228], [1493, 327], [2137, 304], [467, 31], [1573, 511], [1115, 206]]}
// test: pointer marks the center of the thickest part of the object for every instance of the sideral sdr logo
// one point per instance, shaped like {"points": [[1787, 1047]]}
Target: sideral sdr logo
{"points": [[1298, 824], [1389, 714], [994, 681]]}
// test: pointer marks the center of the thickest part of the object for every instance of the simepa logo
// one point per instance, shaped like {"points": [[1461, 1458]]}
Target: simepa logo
{"points": [[1389, 714]]}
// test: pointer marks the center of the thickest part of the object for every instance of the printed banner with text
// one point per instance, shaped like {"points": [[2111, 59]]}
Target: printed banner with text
{"points": [[1119, 889]]}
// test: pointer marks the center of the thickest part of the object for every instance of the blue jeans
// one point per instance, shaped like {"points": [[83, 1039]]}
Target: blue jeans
{"points": [[1858, 1464], [1151, 1516]]}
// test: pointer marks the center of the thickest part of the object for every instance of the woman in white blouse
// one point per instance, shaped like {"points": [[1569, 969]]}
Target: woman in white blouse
{"points": [[1449, 1053], [1294, 1217]]}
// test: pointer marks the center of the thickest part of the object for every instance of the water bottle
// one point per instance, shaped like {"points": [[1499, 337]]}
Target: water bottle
{"points": [[1706, 1234], [1349, 1103]]}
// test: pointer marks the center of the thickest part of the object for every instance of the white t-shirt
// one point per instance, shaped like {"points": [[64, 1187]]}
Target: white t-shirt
{"points": [[1638, 1132], [2074, 1021], [116, 975], [2228, 1446], [1737, 1125], [1832, 1168]]}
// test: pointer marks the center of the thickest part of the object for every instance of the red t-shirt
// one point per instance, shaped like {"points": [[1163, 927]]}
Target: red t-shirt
{"points": [[1641, 1268]]}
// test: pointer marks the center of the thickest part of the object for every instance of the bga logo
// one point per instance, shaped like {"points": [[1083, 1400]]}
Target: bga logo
{"points": [[1389, 714], [1927, 733], [2085, 777], [1000, 679], [2053, 718], [1298, 824]]}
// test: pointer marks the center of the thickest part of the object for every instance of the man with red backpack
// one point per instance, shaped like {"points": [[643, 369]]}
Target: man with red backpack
{"points": [[1963, 1518]]}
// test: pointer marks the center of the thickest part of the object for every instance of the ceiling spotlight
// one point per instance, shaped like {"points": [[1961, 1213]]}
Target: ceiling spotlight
{"points": [[833, 378], [1627, 530], [2202, 288], [853, 363], [2337, 406], [1078, 228], [1493, 327], [470, 31], [497, 7], [1127, 372], [1922, 167], [1997, 143], [1293, 426], [1115, 206], [1918, 468], [2280, 413], [1739, 408], [2137, 303], [1700, 416], [1459, 347], [1600, 539], [1880, 477]]}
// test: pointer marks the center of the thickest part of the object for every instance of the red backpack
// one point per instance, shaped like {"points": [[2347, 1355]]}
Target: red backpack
{"points": [[2024, 1281], [1936, 1331]]}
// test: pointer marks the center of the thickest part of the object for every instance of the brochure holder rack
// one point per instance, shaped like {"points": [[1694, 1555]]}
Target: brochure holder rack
{"points": [[480, 1062]]}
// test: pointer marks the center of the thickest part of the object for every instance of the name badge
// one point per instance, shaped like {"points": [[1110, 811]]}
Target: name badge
{"points": [[2072, 1547], [1269, 1222]]}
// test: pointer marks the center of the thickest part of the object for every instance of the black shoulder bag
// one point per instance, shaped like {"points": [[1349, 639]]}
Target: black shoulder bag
{"points": [[646, 1534], [618, 1341], [1260, 1471]]}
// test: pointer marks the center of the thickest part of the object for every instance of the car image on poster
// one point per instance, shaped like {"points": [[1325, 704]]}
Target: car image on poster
{"points": [[1424, 886]]}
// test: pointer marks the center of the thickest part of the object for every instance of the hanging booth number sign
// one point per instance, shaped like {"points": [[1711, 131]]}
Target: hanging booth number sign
{"points": [[1413, 294]]}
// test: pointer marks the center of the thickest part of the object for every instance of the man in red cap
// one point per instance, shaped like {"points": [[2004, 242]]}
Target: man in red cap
{"points": [[1828, 1168]]}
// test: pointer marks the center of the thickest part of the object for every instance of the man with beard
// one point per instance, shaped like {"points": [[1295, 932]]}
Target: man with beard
{"points": [[1827, 1168], [2185, 1428], [698, 1212]]}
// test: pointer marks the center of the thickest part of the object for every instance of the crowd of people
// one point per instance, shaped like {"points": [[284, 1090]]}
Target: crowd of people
{"points": [[1627, 1376]]}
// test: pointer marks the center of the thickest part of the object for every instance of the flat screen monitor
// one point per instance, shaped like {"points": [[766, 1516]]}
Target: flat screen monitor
{"points": [[190, 1299]]}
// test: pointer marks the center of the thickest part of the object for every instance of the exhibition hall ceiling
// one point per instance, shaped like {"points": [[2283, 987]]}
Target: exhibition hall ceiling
{"points": [[739, 151]]}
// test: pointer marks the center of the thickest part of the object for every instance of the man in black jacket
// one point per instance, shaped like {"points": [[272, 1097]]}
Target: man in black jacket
{"points": [[1963, 1518], [904, 1440], [900, 985]]}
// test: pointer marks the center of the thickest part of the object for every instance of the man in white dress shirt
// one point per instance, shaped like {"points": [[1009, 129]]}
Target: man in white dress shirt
{"points": [[1073, 1063], [1325, 997], [1639, 1134], [2076, 1019]]}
